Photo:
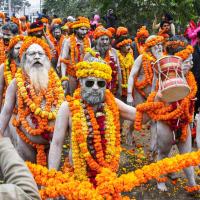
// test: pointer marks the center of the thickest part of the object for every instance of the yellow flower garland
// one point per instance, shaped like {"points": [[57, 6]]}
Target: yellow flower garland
{"points": [[126, 63], [80, 154], [32, 105], [96, 69]]}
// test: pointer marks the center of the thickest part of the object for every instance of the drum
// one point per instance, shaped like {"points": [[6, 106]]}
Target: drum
{"points": [[172, 83]]}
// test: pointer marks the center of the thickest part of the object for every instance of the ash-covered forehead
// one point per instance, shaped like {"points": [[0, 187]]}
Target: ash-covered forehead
{"points": [[35, 48], [19, 44]]}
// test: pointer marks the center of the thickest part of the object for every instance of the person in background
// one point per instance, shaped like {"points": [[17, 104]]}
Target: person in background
{"points": [[111, 19], [165, 17], [196, 70]]}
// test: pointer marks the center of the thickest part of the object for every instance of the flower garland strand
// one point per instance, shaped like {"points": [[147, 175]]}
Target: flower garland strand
{"points": [[108, 184], [157, 111], [147, 60], [126, 63], [30, 105], [80, 131]]}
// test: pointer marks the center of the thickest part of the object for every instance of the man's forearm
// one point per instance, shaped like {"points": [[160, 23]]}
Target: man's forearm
{"points": [[15, 171]]}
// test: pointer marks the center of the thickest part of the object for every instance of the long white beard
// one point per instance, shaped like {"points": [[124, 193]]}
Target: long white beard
{"points": [[39, 78]]}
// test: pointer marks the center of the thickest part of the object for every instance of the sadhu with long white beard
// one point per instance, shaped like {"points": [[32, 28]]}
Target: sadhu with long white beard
{"points": [[37, 93]]}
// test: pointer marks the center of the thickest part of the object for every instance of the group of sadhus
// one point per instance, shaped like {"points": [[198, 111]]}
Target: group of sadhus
{"points": [[53, 84]]}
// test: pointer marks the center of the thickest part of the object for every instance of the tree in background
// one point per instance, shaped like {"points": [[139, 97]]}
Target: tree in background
{"points": [[130, 13]]}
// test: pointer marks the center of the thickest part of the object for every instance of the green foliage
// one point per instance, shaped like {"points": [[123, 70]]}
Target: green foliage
{"points": [[131, 13]]}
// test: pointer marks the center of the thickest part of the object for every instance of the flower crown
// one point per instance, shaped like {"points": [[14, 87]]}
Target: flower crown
{"points": [[80, 22], [15, 40], [153, 41], [95, 69], [101, 31], [124, 42], [56, 21], [34, 40], [142, 32], [184, 54]]}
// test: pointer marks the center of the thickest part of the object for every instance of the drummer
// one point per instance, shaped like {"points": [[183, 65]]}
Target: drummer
{"points": [[141, 76]]}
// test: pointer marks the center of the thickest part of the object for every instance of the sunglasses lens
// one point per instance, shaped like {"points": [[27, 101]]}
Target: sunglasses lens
{"points": [[89, 83], [101, 84]]}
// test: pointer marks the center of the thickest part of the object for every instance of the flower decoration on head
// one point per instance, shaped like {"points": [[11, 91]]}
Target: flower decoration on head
{"points": [[36, 26], [100, 31], [112, 30], [56, 21], [122, 37], [142, 32], [96, 69], [81, 22], [34, 40], [15, 40], [184, 54], [22, 18], [153, 40], [44, 20], [2, 16]]}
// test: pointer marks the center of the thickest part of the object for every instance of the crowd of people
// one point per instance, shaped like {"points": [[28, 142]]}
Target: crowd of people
{"points": [[76, 78]]}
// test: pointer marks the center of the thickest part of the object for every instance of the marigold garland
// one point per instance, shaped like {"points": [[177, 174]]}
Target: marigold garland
{"points": [[147, 60], [9, 71], [96, 69], [184, 54], [100, 32], [3, 50], [80, 130], [57, 44], [76, 55], [124, 42], [30, 104], [108, 184], [157, 111], [140, 47], [81, 22], [126, 63], [35, 29], [153, 41]]}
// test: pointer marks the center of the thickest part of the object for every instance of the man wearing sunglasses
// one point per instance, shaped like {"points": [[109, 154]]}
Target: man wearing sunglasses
{"points": [[91, 118]]}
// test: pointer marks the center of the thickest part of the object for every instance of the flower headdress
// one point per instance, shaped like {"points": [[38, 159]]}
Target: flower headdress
{"points": [[153, 40], [142, 32], [56, 21], [95, 69], [15, 40], [81, 22], [34, 40], [36, 26], [122, 37], [100, 31], [22, 18]]}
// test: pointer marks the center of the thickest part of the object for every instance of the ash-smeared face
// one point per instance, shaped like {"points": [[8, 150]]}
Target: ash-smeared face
{"points": [[103, 43], [93, 90], [126, 48], [157, 50], [16, 48], [36, 64], [82, 32]]}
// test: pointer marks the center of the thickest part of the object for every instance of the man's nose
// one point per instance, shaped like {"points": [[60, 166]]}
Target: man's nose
{"points": [[95, 86], [37, 56]]}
